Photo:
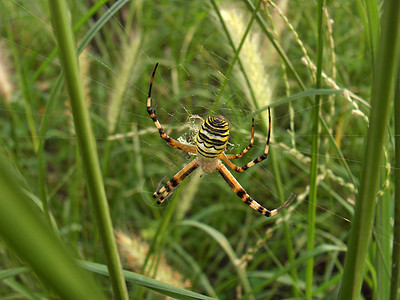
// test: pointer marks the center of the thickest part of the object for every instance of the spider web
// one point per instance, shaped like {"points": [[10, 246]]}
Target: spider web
{"points": [[190, 86]]}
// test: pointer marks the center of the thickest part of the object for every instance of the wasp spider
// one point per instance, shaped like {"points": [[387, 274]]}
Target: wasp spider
{"points": [[210, 146]]}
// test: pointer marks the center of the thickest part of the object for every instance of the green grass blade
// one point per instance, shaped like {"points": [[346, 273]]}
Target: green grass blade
{"points": [[4, 274], [86, 142], [155, 285], [28, 99], [23, 228], [394, 284], [203, 280], [225, 245], [86, 40], [382, 90], [297, 77], [301, 95], [288, 233], [100, 23], [40, 155], [295, 264], [382, 232], [314, 156], [43, 67], [369, 13], [53, 95]]}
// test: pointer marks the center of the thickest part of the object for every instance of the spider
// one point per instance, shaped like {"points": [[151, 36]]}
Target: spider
{"points": [[210, 146]]}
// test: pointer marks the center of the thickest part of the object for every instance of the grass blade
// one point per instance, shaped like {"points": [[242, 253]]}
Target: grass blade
{"points": [[224, 243], [158, 286], [382, 89], [22, 227], [86, 142], [292, 70], [40, 153], [52, 100], [301, 95], [394, 285], [314, 156], [286, 226], [100, 23], [369, 13], [4, 274], [325, 248], [382, 232]]}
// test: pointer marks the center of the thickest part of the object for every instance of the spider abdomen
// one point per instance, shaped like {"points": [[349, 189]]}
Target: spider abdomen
{"points": [[212, 137]]}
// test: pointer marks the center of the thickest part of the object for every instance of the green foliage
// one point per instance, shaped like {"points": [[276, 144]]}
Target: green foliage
{"points": [[234, 58]]}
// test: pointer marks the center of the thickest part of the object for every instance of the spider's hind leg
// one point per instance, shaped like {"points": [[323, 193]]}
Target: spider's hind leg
{"points": [[240, 191], [169, 187]]}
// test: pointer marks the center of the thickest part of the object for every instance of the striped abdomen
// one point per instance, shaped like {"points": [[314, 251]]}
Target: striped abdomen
{"points": [[212, 137]]}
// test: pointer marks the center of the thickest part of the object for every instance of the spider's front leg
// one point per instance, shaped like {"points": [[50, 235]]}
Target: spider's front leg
{"points": [[153, 116], [240, 191], [226, 157], [169, 187], [244, 151]]}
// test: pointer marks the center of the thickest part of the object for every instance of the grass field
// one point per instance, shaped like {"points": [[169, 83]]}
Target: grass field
{"points": [[80, 157]]}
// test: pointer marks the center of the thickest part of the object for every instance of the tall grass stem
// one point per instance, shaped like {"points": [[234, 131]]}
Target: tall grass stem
{"points": [[86, 142], [315, 154], [382, 89], [394, 285]]}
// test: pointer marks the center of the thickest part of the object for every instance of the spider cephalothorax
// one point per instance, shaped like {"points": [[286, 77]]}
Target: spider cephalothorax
{"points": [[210, 146]]}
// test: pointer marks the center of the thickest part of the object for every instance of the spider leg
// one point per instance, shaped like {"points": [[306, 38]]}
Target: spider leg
{"points": [[234, 156], [240, 191], [236, 168], [166, 137], [168, 188]]}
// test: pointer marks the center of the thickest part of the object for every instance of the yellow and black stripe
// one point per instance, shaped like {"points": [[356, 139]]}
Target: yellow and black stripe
{"points": [[212, 137], [235, 156], [245, 197], [226, 157], [153, 116], [169, 187]]}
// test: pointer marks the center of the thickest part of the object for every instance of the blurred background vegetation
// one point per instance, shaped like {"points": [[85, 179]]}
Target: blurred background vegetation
{"points": [[201, 238]]}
